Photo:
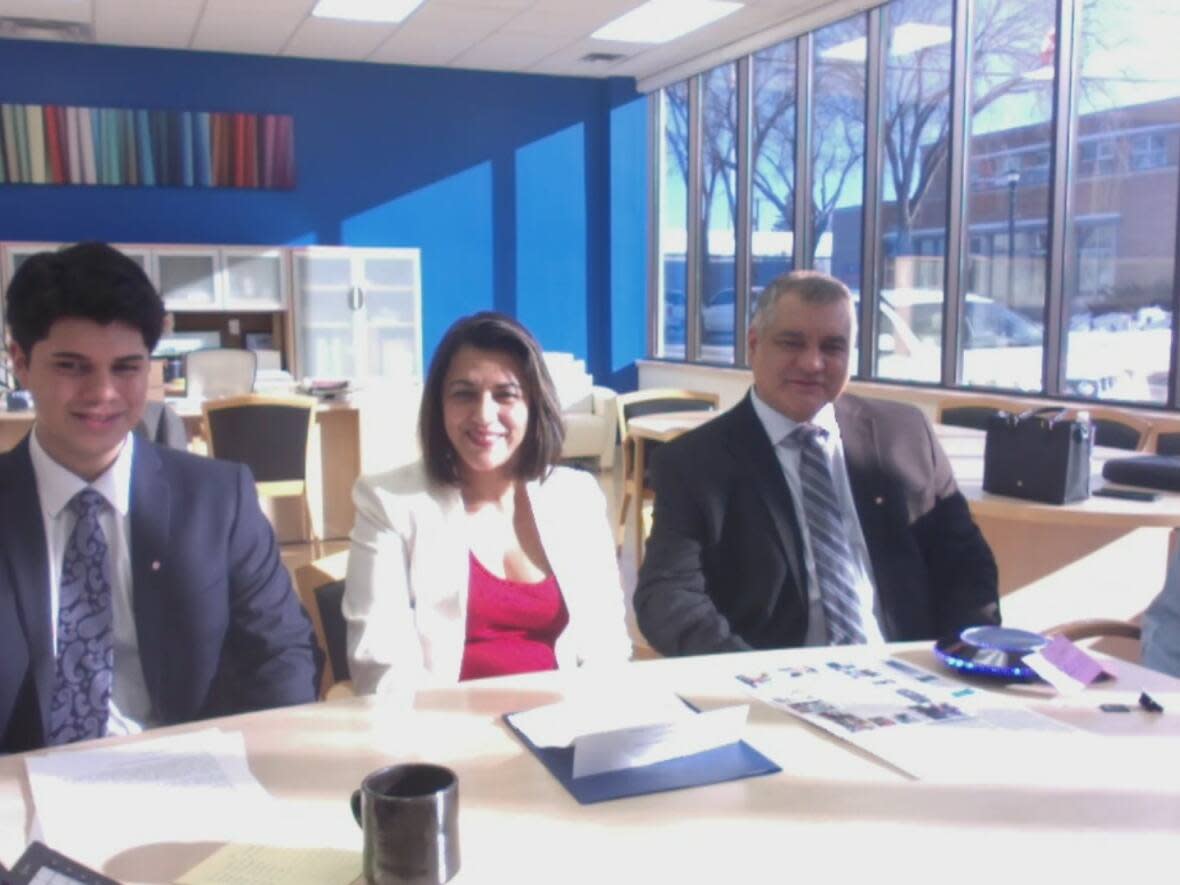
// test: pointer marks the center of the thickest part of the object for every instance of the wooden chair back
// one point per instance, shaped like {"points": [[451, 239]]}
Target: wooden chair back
{"points": [[652, 401], [272, 435], [320, 585]]}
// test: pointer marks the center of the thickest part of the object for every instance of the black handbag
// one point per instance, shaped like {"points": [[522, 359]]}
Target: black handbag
{"points": [[1038, 455]]}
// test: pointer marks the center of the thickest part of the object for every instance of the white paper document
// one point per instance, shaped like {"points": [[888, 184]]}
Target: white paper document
{"points": [[922, 723], [648, 744], [99, 800], [629, 731]]}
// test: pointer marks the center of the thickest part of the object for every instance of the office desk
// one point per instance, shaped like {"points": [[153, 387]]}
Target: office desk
{"points": [[339, 442], [1102, 557], [833, 813]]}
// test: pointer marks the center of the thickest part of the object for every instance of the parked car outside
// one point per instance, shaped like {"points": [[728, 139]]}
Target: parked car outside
{"points": [[1109, 356], [1003, 348], [717, 316]]}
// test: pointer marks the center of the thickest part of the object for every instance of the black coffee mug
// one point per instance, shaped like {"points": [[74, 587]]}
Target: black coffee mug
{"points": [[410, 817]]}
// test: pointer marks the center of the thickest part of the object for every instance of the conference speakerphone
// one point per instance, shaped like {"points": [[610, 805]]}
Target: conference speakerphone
{"points": [[997, 652]]}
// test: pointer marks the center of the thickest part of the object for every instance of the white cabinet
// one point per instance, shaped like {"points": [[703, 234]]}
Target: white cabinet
{"points": [[253, 279], [354, 313], [16, 253], [230, 278], [357, 313], [12, 255], [188, 277]]}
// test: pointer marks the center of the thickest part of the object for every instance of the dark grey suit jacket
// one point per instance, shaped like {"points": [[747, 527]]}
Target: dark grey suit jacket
{"points": [[220, 629], [723, 567]]}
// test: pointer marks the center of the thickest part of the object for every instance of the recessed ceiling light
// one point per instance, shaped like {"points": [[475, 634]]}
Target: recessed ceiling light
{"points": [[46, 29], [366, 10], [659, 21]]}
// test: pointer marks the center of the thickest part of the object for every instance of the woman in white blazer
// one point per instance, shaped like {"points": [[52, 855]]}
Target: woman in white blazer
{"points": [[447, 551]]}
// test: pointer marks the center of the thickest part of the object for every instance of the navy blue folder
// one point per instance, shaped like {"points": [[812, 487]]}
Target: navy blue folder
{"points": [[715, 766]]}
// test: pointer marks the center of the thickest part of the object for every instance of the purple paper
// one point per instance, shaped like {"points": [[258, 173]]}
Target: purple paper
{"points": [[1072, 661]]}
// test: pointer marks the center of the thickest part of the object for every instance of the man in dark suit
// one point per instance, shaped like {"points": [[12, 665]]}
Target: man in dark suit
{"points": [[139, 585], [805, 515]]}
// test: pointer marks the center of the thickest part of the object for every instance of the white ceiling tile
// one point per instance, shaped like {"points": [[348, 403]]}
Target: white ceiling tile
{"points": [[568, 60], [613, 8], [565, 67], [333, 38], [425, 46], [548, 36], [517, 52], [606, 9], [566, 23], [167, 23], [487, 4], [460, 15], [260, 26], [55, 10], [432, 56]]}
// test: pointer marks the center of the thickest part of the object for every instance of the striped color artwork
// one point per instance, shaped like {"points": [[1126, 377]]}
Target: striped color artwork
{"points": [[52, 144]]}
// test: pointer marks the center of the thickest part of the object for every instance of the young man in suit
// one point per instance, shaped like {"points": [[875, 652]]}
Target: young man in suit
{"points": [[139, 585], [806, 515]]}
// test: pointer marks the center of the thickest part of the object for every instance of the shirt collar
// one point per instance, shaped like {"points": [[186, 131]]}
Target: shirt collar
{"points": [[57, 485], [778, 426]]}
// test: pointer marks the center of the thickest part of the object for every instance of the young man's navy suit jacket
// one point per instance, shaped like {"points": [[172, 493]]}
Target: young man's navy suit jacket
{"points": [[219, 627]]}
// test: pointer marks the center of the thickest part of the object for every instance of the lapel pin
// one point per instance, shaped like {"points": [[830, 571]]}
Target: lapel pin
{"points": [[878, 500], [155, 565]]}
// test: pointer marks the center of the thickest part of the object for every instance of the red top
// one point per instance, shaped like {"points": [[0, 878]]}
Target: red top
{"points": [[511, 626]]}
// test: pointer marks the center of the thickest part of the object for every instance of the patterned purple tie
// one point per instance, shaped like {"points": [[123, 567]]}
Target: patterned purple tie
{"points": [[85, 651]]}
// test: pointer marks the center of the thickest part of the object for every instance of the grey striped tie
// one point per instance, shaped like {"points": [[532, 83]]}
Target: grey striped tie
{"points": [[829, 540]]}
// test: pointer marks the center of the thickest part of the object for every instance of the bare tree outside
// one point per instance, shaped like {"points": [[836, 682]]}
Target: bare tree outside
{"points": [[1120, 247]]}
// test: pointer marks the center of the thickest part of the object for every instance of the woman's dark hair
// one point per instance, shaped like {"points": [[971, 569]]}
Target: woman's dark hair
{"points": [[545, 434], [91, 281]]}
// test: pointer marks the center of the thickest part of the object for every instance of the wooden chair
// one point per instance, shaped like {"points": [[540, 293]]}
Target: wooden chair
{"points": [[272, 435], [1167, 443], [1165, 435], [321, 590], [1113, 427], [1119, 639], [651, 402], [1117, 429], [976, 411]]}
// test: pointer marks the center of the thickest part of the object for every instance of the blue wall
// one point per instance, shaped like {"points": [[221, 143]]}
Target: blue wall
{"points": [[525, 193]]}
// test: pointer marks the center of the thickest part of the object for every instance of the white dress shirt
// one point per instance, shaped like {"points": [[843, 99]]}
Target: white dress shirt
{"points": [[130, 710], [779, 428]]}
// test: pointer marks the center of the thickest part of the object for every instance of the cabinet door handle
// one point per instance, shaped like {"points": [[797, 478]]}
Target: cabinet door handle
{"points": [[354, 298], [360, 298]]}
